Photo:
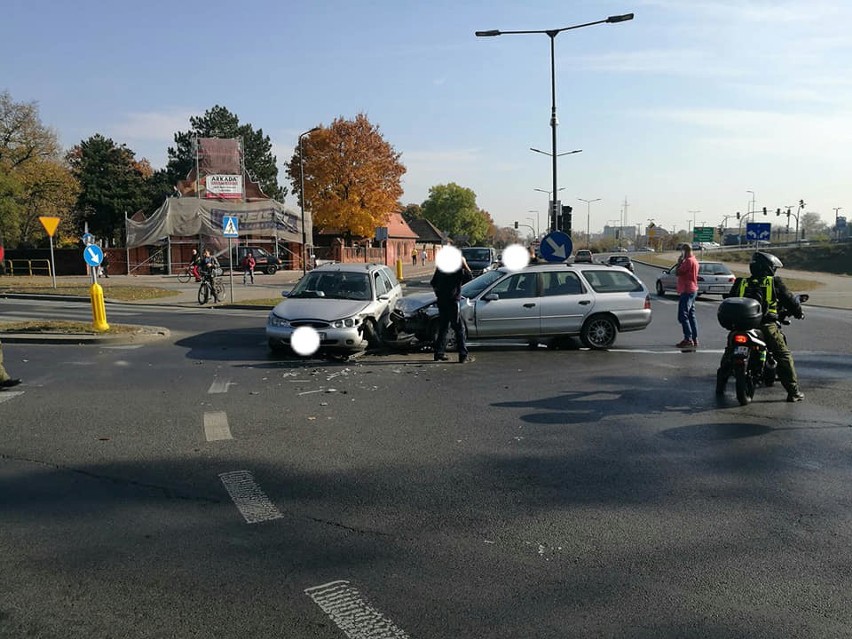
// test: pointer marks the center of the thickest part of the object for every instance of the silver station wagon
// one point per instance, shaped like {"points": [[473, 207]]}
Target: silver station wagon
{"points": [[347, 304], [591, 301], [714, 278]]}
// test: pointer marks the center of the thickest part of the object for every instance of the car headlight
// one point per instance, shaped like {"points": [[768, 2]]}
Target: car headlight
{"points": [[347, 322], [274, 320]]}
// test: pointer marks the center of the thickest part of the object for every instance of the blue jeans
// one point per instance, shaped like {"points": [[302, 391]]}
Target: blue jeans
{"points": [[686, 315]]}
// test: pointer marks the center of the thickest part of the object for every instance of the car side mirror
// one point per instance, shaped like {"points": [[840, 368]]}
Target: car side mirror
{"points": [[384, 298], [285, 293], [491, 297]]}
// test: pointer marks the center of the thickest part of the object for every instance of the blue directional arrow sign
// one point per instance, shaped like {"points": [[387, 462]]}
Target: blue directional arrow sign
{"points": [[230, 226], [758, 231], [556, 246], [93, 255]]}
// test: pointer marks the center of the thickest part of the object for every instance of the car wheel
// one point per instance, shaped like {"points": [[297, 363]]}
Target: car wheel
{"points": [[371, 334], [660, 290], [270, 269], [599, 332]]}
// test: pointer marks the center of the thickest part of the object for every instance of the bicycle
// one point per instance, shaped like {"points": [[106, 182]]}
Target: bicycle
{"points": [[186, 275], [211, 285]]}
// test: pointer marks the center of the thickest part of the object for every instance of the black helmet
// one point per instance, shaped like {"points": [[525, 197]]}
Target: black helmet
{"points": [[763, 264]]}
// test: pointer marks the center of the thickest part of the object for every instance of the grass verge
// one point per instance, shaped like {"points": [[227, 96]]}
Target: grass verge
{"points": [[66, 328]]}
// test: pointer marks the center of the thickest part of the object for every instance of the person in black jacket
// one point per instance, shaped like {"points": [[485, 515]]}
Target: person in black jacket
{"points": [[768, 288], [447, 287]]}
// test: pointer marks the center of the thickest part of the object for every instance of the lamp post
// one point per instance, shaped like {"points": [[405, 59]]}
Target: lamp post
{"points": [[588, 218], [836, 219], [537, 227], [302, 199], [552, 33], [551, 197]]}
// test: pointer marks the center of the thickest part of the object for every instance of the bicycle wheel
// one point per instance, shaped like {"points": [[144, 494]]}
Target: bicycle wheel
{"points": [[220, 287], [203, 293], [185, 276]]}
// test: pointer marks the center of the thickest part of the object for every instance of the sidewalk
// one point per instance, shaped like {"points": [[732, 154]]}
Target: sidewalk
{"points": [[264, 287]]}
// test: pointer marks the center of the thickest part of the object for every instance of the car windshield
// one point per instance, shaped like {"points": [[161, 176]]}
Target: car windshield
{"points": [[479, 284], [477, 255], [338, 285]]}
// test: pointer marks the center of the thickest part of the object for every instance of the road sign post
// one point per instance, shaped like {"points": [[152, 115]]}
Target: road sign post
{"points": [[231, 229], [94, 257], [50, 224]]}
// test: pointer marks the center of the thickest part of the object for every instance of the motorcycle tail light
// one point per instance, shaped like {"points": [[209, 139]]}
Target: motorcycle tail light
{"points": [[739, 338]]}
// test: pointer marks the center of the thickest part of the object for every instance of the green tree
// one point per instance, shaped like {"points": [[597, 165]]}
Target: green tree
{"points": [[112, 183], [411, 212], [352, 176], [218, 122], [452, 208], [812, 226], [34, 181]]}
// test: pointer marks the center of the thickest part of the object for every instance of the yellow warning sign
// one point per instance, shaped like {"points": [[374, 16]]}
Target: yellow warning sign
{"points": [[49, 224]]}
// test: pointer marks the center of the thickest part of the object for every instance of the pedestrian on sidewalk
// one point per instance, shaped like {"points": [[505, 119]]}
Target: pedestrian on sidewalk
{"points": [[248, 266], [6, 380], [423, 257], [414, 257], [687, 290]]}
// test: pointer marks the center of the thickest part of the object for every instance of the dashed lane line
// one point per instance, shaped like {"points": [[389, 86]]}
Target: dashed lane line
{"points": [[348, 609], [216, 426], [248, 497], [5, 396]]}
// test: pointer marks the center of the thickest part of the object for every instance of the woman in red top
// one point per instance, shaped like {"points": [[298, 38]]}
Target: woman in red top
{"points": [[687, 290]]}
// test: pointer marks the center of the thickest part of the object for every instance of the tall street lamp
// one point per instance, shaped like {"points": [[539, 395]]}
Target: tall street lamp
{"points": [[537, 226], [302, 198], [552, 33], [588, 218], [551, 197]]}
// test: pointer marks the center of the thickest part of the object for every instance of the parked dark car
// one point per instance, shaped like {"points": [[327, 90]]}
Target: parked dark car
{"points": [[265, 262]]}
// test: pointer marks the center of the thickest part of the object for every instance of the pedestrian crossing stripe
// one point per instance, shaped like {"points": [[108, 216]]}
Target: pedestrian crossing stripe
{"points": [[231, 227]]}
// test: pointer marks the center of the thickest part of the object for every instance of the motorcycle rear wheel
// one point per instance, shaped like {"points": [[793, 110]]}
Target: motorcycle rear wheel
{"points": [[745, 386]]}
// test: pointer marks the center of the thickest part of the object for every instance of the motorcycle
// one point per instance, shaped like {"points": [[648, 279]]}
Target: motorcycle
{"points": [[747, 357]]}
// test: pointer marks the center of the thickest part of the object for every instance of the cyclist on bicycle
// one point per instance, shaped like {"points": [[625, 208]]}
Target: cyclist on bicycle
{"points": [[195, 264], [209, 268]]}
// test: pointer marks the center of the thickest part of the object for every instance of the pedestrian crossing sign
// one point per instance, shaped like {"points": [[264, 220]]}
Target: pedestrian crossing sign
{"points": [[230, 226]]}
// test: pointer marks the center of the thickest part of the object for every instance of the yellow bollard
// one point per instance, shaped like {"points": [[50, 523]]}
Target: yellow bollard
{"points": [[99, 320], [399, 269]]}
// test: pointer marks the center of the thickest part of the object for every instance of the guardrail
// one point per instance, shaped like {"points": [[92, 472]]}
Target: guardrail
{"points": [[28, 267]]}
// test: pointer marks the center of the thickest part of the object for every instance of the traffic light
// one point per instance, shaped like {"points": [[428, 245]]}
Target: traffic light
{"points": [[565, 223], [738, 215], [764, 210], [516, 225], [778, 212]]}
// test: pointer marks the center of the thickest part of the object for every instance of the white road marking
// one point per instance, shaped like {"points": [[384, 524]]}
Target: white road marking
{"points": [[216, 426], [352, 614], [248, 497], [5, 396], [124, 347], [219, 386]]}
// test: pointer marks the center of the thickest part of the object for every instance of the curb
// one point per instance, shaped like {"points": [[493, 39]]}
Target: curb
{"points": [[145, 335]]}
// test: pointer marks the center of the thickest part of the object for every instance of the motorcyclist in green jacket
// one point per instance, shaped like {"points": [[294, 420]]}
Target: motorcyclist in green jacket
{"points": [[767, 287]]}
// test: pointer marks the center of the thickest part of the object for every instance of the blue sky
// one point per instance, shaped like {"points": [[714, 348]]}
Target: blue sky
{"points": [[686, 108]]}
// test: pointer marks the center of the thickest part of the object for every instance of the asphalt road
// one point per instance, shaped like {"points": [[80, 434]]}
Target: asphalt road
{"points": [[197, 487]]}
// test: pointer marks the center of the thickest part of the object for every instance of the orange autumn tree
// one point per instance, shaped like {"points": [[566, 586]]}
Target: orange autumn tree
{"points": [[352, 177]]}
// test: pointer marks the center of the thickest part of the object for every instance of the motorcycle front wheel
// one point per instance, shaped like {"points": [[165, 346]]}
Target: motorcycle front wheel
{"points": [[745, 385]]}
